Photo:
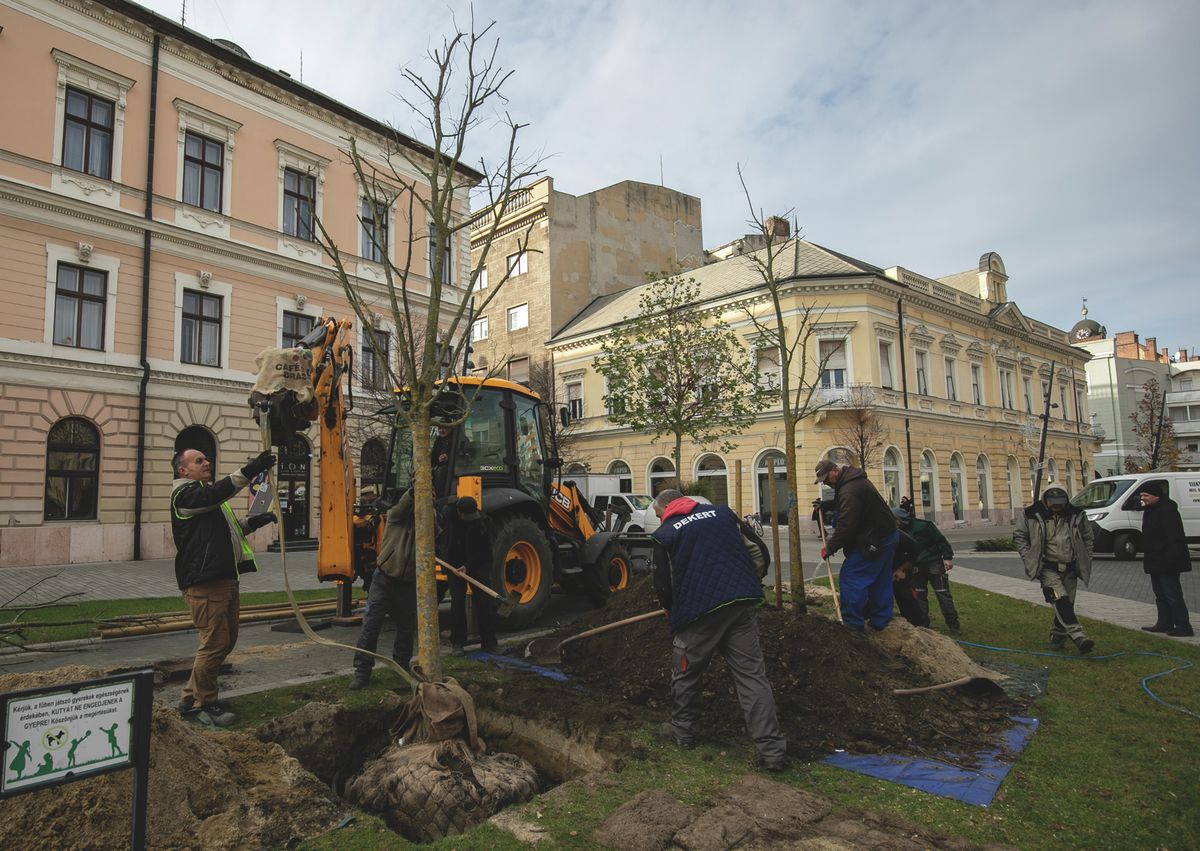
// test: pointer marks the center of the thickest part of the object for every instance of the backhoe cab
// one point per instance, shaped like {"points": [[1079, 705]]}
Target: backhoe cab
{"points": [[545, 530]]}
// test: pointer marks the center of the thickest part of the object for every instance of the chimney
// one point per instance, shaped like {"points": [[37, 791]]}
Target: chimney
{"points": [[1126, 345], [778, 228], [1166, 355], [1151, 348], [1181, 356]]}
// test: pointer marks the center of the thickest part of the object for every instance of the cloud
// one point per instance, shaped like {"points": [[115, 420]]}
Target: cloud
{"points": [[919, 134]]}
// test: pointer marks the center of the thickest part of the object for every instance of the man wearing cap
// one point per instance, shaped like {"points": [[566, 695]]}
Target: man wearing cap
{"points": [[933, 563], [468, 538], [866, 530], [1055, 542], [1165, 556]]}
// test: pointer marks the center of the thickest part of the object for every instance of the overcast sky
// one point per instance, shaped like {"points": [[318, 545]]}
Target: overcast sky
{"points": [[1063, 135]]}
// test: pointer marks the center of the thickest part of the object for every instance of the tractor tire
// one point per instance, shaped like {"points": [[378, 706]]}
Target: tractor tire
{"points": [[608, 575], [1125, 546], [523, 564]]}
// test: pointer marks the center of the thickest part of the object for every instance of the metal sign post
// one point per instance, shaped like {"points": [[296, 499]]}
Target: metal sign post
{"points": [[63, 733]]}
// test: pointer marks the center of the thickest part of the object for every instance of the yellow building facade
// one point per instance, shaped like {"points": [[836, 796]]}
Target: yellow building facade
{"points": [[952, 369]]}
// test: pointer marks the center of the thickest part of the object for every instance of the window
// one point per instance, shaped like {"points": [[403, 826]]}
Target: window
{"points": [[1006, 389], [710, 469], [373, 373], [72, 470], [951, 389], [575, 400], [1027, 389], [79, 302], [447, 257], [479, 328], [201, 338], [832, 355], [299, 201], [891, 476], [518, 369], [203, 172], [768, 365], [612, 405], [1046, 397], [373, 462], [374, 233], [662, 474], [88, 134], [923, 373], [620, 468], [295, 328], [983, 483], [1062, 402], [481, 280], [518, 317], [885, 367], [518, 264], [976, 384], [1079, 409], [928, 485], [958, 487]]}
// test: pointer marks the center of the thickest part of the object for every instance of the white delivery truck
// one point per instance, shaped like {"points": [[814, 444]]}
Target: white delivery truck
{"points": [[1113, 507]]}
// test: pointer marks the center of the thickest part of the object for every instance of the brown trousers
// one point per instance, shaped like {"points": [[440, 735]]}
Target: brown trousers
{"points": [[215, 607]]}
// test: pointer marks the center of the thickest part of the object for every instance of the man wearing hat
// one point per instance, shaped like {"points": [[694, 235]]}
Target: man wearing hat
{"points": [[1055, 542], [468, 537], [934, 561], [866, 530], [1165, 556]]}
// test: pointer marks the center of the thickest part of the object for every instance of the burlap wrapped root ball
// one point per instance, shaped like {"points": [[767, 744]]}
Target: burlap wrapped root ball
{"points": [[433, 789]]}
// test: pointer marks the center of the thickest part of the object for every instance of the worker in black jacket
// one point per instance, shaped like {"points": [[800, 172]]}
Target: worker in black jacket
{"points": [[1165, 556], [211, 552], [468, 540]]}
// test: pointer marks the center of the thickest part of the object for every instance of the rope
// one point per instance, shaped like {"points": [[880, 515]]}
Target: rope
{"points": [[1183, 666], [265, 431]]}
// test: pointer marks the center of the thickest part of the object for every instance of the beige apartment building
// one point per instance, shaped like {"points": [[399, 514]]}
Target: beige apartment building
{"points": [[955, 372], [562, 251], [158, 192]]}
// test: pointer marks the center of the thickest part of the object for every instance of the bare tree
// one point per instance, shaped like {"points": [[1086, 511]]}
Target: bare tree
{"points": [[553, 391], [1156, 447], [863, 430], [789, 329], [429, 306]]}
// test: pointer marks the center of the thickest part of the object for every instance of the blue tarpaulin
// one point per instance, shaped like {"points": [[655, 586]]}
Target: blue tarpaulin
{"points": [[970, 785], [501, 661]]}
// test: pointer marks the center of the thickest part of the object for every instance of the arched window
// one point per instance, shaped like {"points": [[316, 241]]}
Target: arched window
{"points": [[662, 473], [891, 476], [983, 479], [710, 469], [72, 470], [202, 440], [1014, 483], [958, 487], [840, 455], [620, 468], [928, 485], [1051, 477], [575, 469], [780, 484], [1069, 481], [373, 463], [1085, 473]]}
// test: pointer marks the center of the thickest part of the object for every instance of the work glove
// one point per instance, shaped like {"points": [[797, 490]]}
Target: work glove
{"points": [[261, 464], [260, 520], [824, 553]]}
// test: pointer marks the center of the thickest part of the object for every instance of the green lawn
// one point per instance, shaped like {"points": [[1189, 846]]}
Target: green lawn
{"points": [[91, 611], [1108, 767]]}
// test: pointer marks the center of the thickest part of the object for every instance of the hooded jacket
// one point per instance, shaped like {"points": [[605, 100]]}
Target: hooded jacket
{"points": [[1164, 543], [701, 562], [210, 543], [862, 515], [397, 552], [1030, 538]]}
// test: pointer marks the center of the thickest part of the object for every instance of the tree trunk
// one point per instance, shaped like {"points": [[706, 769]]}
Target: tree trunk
{"points": [[678, 460], [795, 562], [429, 639]]}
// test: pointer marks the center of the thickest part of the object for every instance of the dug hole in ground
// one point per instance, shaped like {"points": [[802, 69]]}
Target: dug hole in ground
{"points": [[299, 775]]}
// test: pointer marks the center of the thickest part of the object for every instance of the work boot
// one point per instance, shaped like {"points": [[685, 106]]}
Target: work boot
{"points": [[185, 706], [220, 716], [361, 680], [458, 650], [1157, 628], [956, 630], [1085, 646], [1181, 632], [1057, 644], [774, 766], [199, 718]]}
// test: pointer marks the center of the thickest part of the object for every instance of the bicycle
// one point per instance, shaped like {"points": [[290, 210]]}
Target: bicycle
{"points": [[755, 523]]}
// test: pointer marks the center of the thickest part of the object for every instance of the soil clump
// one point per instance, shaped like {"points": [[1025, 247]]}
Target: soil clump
{"points": [[208, 790]]}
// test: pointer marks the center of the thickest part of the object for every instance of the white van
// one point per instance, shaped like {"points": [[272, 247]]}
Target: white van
{"points": [[628, 505], [1113, 507]]}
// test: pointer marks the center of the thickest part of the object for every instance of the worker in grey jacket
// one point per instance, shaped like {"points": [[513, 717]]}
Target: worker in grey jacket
{"points": [[1055, 542]]}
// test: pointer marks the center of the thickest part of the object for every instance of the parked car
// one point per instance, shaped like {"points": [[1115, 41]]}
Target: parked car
{"points": [[1113, 507], [627, 505]]}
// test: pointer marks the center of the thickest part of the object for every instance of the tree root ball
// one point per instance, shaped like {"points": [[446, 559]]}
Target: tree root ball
{"points": [[429, 790]]}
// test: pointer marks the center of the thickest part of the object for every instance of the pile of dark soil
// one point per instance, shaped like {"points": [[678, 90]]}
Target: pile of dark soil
{"points": [[833, 685]]}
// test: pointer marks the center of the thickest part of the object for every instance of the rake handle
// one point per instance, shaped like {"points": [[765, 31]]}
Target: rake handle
{"points": [[462, 574], [609, 626]]}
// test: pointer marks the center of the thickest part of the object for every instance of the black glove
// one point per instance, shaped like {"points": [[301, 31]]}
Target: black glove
{"points": [[261, 464], [260, 520]]}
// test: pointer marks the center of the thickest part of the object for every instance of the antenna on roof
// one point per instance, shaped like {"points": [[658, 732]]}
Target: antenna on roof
{"points": [[661, 180], [302, 65], [183, 15]]}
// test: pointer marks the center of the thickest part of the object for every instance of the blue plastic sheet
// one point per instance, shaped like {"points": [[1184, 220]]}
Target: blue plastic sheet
{"points": [[970, 785], [501, 661]]}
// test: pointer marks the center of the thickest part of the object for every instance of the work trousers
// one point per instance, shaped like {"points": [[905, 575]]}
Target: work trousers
{"points": [[1168, 596], [215, 607], [1058, 587], [483, 606], [934, 576], [908, 604], [866, 586], [731, 631], [388, 597]]}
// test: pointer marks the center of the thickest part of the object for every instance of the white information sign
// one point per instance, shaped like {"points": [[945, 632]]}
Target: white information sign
{"points": [[60, 733]]}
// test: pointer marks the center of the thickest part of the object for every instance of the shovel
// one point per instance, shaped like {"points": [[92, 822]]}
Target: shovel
{"points": [[837, 606], [504, 607], [554, 654]]}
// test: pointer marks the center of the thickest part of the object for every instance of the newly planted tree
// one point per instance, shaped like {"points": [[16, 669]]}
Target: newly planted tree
{"points": [[1156, 446], [677, 368]]}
